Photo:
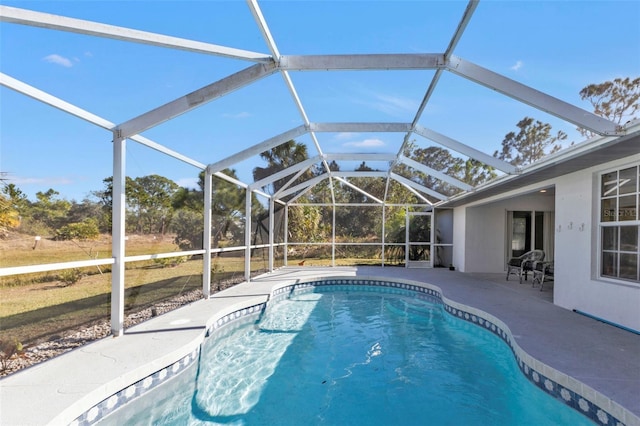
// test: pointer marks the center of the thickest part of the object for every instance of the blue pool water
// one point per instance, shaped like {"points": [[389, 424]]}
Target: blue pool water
{"points": [[351, 358]]}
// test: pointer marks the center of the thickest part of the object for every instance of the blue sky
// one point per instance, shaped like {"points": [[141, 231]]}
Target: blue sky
{"points": [[557, 47]]}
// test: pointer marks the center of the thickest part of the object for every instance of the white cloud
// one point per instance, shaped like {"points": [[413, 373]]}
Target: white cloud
{"points": [[188, 182], [366, 143], [397, 103], [392, 105], [345, 135], [517, 66], [239, 115], [58, 60], [50, 180]]}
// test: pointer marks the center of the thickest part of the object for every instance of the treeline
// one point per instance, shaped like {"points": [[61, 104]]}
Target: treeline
{"points": [[154, 205]]}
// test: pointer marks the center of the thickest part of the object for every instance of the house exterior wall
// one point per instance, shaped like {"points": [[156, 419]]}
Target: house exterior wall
{"points": [[486, 230], [482, 225], [576, 272], [459, 242]]}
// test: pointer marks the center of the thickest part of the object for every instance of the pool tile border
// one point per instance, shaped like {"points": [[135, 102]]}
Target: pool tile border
{"points": [[582, 398], [597, 407], [122, 397], [119, 399]]}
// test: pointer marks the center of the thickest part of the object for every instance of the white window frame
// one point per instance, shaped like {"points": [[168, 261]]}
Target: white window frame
{"points": [[616, 223]]}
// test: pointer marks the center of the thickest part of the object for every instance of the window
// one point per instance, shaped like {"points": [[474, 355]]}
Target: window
{"points": [[620, 224]]}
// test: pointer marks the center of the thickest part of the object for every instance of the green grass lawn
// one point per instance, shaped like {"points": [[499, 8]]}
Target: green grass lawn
{"points": [[40, 306]]}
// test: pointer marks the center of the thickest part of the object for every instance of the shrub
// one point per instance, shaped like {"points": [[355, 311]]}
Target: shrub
{"points": [[70, 276], [31, 226], [170, 261], [85, 230], [9, 348], [187, 225]]}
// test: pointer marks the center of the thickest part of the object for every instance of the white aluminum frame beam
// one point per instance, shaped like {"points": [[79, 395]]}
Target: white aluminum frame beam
{"points": [[206, 240], [362, 156], [118, 211], [194, 99], [362, 174], [271, 236], [79, 26], [458, 66], [264, 29], [462, 26], [435, 173], [360, 127], [301, 193], [257, 149], [402, 61], [307, 184], [64, 106], [468, 13], [363, 192], [417, 205], [266, 33], [303, 165], [465, 150], [417, 186], [53, 101], [247, 236], [416, 193], [290, 182], [535, 98]]}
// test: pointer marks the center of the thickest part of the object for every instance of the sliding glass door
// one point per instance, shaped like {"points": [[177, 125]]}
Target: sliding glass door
{"points": [[530, 230]]}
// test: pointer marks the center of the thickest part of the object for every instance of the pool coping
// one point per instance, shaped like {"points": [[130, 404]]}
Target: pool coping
{"points": [[113, 364]]}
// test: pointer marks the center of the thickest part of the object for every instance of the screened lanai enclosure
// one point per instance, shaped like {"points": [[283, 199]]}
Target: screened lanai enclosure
{"points": [[297, 154]]}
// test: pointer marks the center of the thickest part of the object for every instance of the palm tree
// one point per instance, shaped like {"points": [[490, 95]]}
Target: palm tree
{"points": [[279, 158]]}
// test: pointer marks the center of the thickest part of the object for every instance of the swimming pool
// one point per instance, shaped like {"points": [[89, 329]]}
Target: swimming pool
{"points": [[347, 352]]}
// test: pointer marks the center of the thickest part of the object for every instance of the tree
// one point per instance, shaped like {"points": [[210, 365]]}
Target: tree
{"points": [[279, 158], [469, 171], [305, 224], [149, 202], [105, 200], [473, 172], [360, 222], [321, 192], [188, 227], [227, 208], [50, 210], [13, 205], [88, 209], [151, 198], [186, 198], [227, 212], [9, 217], [617, 100], [531, 143], [16, 197]]}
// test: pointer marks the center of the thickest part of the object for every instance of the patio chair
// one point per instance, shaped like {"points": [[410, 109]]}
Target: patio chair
{"points": [[521, 265], [542, 271]]}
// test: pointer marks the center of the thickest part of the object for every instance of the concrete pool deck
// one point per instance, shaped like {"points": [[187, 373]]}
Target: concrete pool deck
{"points": [[604, 357]]}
